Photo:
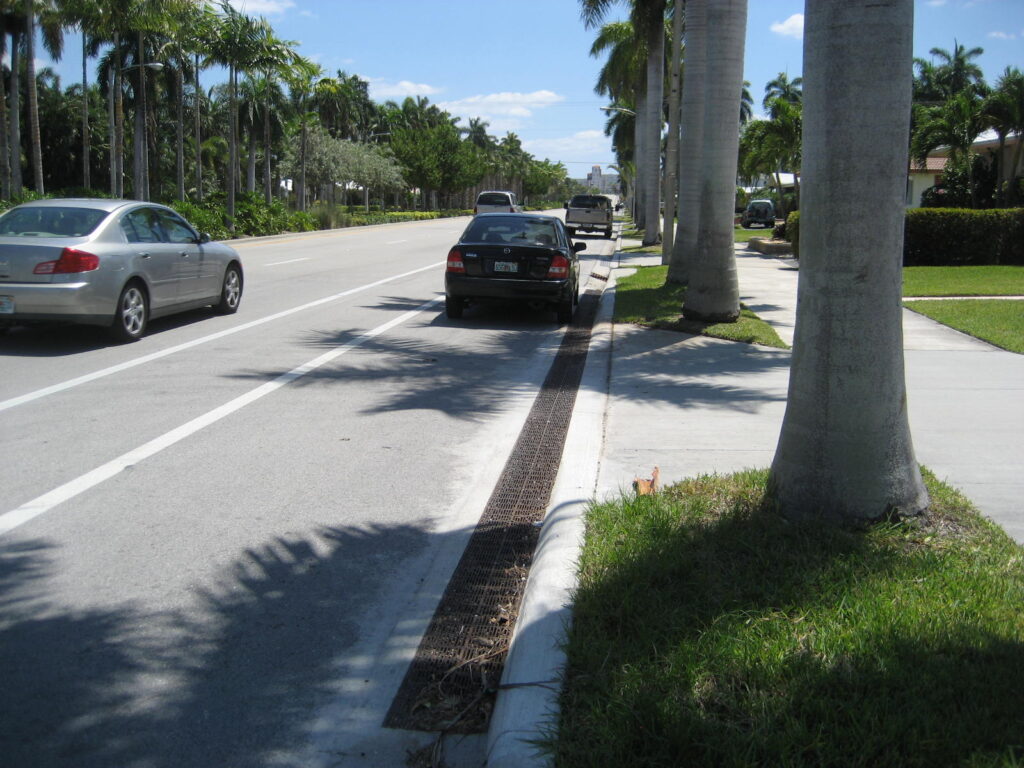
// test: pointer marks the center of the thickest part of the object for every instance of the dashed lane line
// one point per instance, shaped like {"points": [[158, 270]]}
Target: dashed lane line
{"points": [[42, 504]]}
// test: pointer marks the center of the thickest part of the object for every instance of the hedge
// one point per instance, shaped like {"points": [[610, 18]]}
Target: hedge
{"points": [[935, 237]]}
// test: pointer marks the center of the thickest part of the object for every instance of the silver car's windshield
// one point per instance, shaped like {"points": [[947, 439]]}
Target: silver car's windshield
{"points": [[50, 221]]}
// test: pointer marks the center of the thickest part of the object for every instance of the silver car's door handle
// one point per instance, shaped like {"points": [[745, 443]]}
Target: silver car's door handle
{"points": [[184, 254], [144, 255]]}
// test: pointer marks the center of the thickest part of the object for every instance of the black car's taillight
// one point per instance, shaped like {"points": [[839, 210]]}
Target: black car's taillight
{"points": [[559, 267], [455, 263]]}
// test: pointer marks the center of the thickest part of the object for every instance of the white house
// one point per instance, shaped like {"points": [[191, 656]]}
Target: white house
{"points": [[920, 178]]}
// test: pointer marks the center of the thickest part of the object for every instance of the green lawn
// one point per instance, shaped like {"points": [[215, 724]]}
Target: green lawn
{"points": [[997, 321], [707, 631], [646, 299], [963, 281]]}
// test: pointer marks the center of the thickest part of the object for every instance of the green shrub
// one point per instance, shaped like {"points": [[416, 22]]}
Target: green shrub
{"points": [[207, 216], [792, 232], [961, 236]]}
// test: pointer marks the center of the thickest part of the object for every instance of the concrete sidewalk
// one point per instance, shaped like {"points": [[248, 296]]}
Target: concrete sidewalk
{"points": [[692, 405]]}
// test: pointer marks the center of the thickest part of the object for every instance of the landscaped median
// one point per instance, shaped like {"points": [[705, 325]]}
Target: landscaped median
{"points": [[646, 299], [998, 321], [708, 631]]}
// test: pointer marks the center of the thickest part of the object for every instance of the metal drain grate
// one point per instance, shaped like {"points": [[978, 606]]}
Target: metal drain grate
{"points": [[451, 681]]}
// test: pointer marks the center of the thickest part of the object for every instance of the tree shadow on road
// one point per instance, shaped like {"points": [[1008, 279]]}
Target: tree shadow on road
{"points": [[231, 679]]}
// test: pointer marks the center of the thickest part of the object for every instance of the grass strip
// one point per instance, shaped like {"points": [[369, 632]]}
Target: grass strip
{"points": [[997, 321], [963, 281], [708, 631], [644, 298]]}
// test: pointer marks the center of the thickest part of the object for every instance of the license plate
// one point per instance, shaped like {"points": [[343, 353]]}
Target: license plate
{"points": [[6, 305], [506, 266]]}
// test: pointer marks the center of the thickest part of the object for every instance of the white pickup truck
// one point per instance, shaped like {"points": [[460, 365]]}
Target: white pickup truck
{"points": [[589, 213]]}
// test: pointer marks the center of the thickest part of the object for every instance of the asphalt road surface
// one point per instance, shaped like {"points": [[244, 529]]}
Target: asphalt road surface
{"points": [[220, 545]]}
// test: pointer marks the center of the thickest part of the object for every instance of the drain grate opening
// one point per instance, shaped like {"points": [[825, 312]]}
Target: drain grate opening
{"points": [[451, 681]]}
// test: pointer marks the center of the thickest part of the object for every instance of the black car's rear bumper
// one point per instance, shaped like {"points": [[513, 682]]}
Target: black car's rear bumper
{"points": [[463, 287]]}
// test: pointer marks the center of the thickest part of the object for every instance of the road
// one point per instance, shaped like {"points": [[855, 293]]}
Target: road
{"points": [[220, 545]]}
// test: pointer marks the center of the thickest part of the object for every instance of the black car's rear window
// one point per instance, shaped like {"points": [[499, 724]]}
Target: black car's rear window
{"points": [[493, 198], [589, 201], [50, 221], [510, 231]]}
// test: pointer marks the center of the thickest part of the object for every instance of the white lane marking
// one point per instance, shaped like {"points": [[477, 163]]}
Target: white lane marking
{"points": [[41, 504], [290, 261], [396, 242], [28, 398]]}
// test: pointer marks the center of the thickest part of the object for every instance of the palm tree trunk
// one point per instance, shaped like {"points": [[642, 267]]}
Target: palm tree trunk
{"points": [[250, 169], [15, 96], [197, 107], [639, 139], [845, 452], [232, 148], [35, 147], [112, 131], [5, 149], [652, 122], [684, 248], [118, 118], [179, 133], [713, 292], [86, 180], [139, 143], [268, 190], [672, 145]]}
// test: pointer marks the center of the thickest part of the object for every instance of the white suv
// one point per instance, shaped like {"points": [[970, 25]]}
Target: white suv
{"points": [[497, 202]]}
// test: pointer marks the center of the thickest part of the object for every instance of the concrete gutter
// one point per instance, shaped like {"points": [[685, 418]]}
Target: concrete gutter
{"points": [[527, 705]]}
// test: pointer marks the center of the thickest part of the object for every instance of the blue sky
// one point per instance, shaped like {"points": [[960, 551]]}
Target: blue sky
{"points": [[524, 65]]}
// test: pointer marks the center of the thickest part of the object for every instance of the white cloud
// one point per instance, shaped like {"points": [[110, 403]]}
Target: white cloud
{"points": [[263, 7], [382, 89], [937, 3], [591, 147], [791, 27], [504, 111], [1002, 35]]}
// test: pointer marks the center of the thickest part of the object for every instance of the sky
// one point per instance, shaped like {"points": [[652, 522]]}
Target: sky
{"points": [[524, 66]]}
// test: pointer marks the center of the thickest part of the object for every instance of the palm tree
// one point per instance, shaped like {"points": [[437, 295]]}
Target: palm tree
{"points": [[237, 45], [675, 60], [1004, 111], [713, 292], [954, 124], [691, 148], [783, 88], [301, 79], [956, 72], [746, 104], [648, 17], [845, 452]]}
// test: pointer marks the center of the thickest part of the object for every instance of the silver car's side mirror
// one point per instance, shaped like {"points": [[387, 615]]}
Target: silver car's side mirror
{"points": [[204, 237]]}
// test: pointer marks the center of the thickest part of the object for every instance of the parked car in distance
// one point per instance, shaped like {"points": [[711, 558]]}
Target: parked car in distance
{"points": [[112, 263], [758, 212], [589, 213], [521, 257], [496, 202]]}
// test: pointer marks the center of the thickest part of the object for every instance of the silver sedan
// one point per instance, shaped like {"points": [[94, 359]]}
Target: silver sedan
{"points": [[113, 263]]}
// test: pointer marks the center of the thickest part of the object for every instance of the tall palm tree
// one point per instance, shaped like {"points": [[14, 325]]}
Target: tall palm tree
{"points": [[713, 292], [954, 124], [648, 17], [781, 87], [236, 45], [845, 452], [1004, 111], [674, 66], [691, 148], [956, 71]]}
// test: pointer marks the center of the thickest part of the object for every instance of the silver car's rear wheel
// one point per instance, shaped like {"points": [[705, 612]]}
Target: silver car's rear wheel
{"points": [[132, 313], [231, 292]]}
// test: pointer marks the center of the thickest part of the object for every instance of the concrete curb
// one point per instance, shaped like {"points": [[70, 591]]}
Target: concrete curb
{"points": [[527, 705]]}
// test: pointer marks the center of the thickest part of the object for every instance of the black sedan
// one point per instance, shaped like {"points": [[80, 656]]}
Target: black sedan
{"points": [[514, 256]]}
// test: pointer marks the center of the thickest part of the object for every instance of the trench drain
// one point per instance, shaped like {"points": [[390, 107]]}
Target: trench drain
{"points": [[452, 680]]}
